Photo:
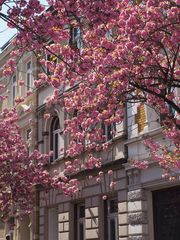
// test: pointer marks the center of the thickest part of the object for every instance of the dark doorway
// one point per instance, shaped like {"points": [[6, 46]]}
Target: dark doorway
{"points": [[166, 207]]}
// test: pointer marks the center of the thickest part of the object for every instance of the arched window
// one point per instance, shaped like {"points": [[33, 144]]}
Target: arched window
{"points": [[55, 138]]}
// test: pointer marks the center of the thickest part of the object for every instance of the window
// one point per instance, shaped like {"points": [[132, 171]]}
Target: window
{"points": [[166, 213], [109, 34], [170, 111], [28, 132], [75, 40], [80, 213], [111, 210], [29, 79], [53, 224], [50, 58], [108, 131], [57, 139], [14, 89]]}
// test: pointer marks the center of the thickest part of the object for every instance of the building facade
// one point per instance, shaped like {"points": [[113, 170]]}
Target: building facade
{"points": [[141, 206], [134, 209]]}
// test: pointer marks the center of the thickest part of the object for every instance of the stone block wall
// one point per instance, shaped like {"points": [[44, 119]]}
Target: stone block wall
{"points": [[137, 215], [91, 197]]}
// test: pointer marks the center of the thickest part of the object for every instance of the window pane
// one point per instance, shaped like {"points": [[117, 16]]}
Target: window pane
{"points": [[28, 134], [14, 79], [55, 138], [81, 231], [14, 92], [13, 88], [56, 145], [81, 211], [112, 229], [28, 65], [28, 81], [113, 206], [111, 219], [80, 222], [56, 124], [109, 132]]}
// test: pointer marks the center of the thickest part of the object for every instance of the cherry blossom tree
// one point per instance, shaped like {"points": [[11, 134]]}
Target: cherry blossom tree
{"points": [[110, 53], [20, 171]]}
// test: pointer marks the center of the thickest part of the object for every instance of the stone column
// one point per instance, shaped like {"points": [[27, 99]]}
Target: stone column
{"points": [[137, 215]]}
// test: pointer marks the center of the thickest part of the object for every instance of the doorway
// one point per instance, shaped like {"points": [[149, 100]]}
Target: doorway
{"points": [[166, 211]]}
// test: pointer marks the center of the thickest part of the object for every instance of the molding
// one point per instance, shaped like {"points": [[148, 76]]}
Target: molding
{"points": [[139, 237]]}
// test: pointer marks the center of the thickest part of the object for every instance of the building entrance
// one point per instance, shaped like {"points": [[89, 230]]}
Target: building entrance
{"points": [[166, 208]]}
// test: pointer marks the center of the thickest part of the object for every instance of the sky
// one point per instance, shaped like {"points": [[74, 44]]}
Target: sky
{"points": [[5, 32]]}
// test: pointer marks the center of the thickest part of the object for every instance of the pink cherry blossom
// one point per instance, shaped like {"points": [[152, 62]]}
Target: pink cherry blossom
{"points": [[128, 52], [104, 197]]}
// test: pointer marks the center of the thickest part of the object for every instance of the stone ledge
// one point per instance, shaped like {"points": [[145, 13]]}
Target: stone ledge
{"points": [[140, 237]]}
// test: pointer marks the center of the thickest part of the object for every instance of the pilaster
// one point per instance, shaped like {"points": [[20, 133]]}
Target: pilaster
{"points": [[137, 215]]}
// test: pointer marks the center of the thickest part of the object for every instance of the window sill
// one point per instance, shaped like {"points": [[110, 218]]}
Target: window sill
{"points": [[55, 161]]}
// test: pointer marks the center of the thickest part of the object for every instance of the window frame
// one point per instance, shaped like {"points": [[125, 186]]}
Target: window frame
{"points": [[80, 220], [111, 216], [108, 131], [48, 57], [28, 136], [29, 77], [75, 40], [14, 89], [55, 139]]}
